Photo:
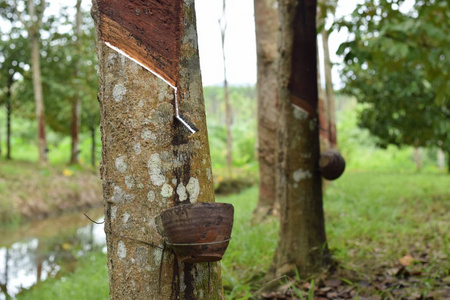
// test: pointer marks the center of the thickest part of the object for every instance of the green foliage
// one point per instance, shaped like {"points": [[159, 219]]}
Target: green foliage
{"points": [[361, 149], [243, 102], [69, 71], [250, 252], [397, 65]]}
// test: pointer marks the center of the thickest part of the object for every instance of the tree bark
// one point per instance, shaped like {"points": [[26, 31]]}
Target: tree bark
{"points": [[331, 107], [151, 162], [93, 147], [34, 36], [76, 105], [266, 25], [8, 122], [417, 158], [440, 159], [228, 117], [448, 162], [302, 241], [324, 130]]}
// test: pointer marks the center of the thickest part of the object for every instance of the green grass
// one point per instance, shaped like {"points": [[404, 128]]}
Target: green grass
{"points": [[29, 192], [373, 219], [89, 281], [250, 252]]}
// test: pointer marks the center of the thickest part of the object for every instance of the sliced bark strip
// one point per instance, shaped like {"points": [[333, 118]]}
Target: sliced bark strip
{"points": [[147, 31], [303, 82]]}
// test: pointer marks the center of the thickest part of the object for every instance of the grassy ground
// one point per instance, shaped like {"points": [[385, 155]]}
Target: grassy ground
{"points": [[89, 281], [388, 233], [29, 192]]}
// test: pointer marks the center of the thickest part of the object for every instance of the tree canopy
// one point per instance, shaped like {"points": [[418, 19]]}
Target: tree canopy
{"points": [[397, 64]]}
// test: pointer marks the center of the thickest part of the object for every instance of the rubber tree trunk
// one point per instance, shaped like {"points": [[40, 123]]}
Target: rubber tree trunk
{"points": [[448, 162], [34, 36], [331, 107], [417, 158], [266, 25], [324, 129], [151, 162], [76, 105], [8, 122], [302, 241], [93, 147], [440, 159], [228, 112]]}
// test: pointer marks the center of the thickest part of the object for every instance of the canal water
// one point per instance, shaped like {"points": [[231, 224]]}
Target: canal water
{"points": [[39, 250]]}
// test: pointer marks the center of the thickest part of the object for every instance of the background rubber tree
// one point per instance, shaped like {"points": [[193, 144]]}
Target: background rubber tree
{"points": [[228, 111], [266, 26], [14, 60], [328, 7], [33, 25], [302, 242], [151, 161], [76, 105]]}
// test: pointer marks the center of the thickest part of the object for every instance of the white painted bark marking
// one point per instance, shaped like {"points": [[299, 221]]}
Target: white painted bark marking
{"points": [[301, 174], [121, 250]]}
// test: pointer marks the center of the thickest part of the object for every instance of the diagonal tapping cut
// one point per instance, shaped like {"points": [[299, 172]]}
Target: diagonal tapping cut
{"points": [[175, 89]]}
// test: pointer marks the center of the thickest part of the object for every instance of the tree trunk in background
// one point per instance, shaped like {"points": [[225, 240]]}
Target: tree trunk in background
{"points": [[331, 107], [417, 158], [266, 25], [76, 105], [93, 146], [8, 120], [440, 159], [34, 36], [324, 130], [228, 117], [302, 242], [448, 162], [151, 162]]}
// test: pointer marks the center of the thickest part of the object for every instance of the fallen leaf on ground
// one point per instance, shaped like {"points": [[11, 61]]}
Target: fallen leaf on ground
{"points": [[406, 260]]}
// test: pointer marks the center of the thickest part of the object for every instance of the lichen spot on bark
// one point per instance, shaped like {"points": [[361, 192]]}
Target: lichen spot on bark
{"points": [[193, 189], [121, 250], [301, 174], [118, 92], [147, 134], [118, 195], [299, 113], [113, 213], [151, 196], [181, 191], [126, 217], [167, 190], [208, 174], [154, 165], [165, 93], [121, 165], [129, 181], [111, 57], [137, 148]]}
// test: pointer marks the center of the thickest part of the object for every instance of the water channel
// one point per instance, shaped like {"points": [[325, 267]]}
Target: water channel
{"points": [[38, 250]]}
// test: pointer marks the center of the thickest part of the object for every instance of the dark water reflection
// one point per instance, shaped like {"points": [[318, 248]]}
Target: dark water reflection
{"points": [[39, 250]]}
